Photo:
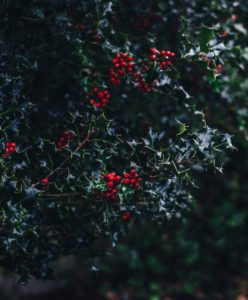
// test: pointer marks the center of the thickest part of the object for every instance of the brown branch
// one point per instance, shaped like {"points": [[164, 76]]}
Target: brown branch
{"points": [[69, 157], [89, 133], [61, 195]]}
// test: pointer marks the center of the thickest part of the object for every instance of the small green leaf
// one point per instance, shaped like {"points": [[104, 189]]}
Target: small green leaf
{"points": [[206, 35], [31, 192], [181, 127], [185, 25]]}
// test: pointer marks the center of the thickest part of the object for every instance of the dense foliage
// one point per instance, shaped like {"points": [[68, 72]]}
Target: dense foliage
{"points": [[110, 113]]}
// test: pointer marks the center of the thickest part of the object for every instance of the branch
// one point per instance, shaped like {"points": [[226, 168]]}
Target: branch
{"points": [[61, 195], [89, 133]]}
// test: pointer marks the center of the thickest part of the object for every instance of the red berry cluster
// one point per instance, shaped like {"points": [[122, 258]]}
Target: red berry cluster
{"points": [[112, 180], [64, 139], [45, 180], [165, 58], [79, 26], [99, 98], [141, 83], [132, 179], [10, 147], [122, 64], [126, 216]]}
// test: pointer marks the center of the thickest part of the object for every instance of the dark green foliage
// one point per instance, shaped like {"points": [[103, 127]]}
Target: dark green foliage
{"points": [[52, 53]]}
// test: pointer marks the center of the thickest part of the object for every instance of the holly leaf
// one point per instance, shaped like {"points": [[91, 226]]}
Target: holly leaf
{"points": [[31, 192], [206, 35]]}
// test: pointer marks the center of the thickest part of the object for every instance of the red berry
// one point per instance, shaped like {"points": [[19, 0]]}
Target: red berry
{"points": [[99, 38], [136, 185], [104, 101], [110, 177], [110, 184], [100, 95], [154, 51], [11, 150], [58, 144], [126, 175], [117, 178], [163, 64], [81, 27], [45, 180], [72, 135], [126, 216], [123, 64]]}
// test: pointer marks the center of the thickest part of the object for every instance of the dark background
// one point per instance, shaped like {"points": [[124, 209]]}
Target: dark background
{"points": [[202, 255]]}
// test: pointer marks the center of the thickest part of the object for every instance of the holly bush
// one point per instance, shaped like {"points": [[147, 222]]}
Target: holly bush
{"points": [[110, 112]]}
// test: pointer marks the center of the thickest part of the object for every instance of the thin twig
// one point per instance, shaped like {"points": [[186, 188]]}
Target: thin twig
{"points": [[69, 157], [61, 195]]}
